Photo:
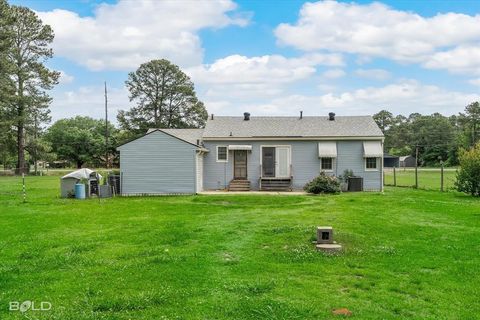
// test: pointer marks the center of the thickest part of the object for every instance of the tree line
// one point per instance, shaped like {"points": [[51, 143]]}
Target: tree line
{"points": [[164, 97], [438, 138]]}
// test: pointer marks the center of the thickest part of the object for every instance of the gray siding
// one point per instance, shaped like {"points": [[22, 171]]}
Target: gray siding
{"points": [[350, 156], [157, 164], [305, 163]]}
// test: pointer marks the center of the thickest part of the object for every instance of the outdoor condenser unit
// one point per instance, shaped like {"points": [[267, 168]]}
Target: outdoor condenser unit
{"points": [[355, 184]]}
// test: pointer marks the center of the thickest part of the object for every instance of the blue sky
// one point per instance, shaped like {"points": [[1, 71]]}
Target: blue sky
{"points": [[271, 57]]}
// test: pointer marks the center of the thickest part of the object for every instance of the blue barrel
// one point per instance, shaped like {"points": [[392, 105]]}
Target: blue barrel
{"points": [[80, 191]]}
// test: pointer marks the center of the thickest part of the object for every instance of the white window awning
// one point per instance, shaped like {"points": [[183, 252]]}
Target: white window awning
{"points": [[372, 149], [327, 149], [240, 147]]}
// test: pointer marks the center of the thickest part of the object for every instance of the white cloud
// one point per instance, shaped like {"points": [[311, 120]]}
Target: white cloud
{"points": [[266, 69], [406, 96], [475, 82], [121, 36], [241, 77], [374, 74], [89, 101], [464, 59], [376, 30], [65, 77], [333, 74]]}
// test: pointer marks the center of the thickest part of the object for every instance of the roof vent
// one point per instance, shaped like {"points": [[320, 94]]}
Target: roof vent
{"points": [[246, 116], [331, 116], [301, 114]]}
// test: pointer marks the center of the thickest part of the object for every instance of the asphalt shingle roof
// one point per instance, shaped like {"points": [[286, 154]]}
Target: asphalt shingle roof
{"points": [[342, 126], [189, 135]]}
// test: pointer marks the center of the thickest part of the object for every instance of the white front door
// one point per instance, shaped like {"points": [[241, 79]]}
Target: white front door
{"points": [[282, 163]]}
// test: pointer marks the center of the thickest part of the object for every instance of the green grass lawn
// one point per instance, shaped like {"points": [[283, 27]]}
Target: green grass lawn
{"points": [[428, 178], [408, 254]]}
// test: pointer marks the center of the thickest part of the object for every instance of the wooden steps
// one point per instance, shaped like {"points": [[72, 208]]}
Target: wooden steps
{"points": [[239, 185], [276, 184]]}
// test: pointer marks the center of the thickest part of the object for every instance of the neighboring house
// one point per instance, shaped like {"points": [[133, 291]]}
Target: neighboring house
{"points": [[390, 161], [408, 161], [252, 153]]}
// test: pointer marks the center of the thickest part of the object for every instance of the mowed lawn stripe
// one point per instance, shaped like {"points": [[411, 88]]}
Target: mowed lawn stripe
{"points": [[408, 254]]}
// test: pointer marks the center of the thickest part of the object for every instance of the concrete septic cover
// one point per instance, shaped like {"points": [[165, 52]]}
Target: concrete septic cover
{"points": [[329, 247]]}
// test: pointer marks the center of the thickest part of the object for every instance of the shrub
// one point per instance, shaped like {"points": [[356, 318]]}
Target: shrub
{"points": [[468, 177], [347, 173], [323, 184]]}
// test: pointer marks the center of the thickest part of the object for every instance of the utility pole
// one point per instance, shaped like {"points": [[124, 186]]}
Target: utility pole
{"points": [[106, 127]]}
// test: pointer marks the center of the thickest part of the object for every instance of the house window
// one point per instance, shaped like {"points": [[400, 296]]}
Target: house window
{"points": [[326, 164], [222, 154], [371, 163]]}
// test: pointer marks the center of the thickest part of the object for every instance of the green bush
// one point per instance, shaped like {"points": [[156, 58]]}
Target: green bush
{"points": [[323, 184], [468, 177], [347, 173]]}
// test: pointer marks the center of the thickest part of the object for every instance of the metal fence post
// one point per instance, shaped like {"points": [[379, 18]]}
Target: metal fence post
{"points": [[416, 167], [23, 188], [441, 177], [394, 176]]}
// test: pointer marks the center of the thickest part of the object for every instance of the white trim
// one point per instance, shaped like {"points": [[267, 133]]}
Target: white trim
{"points": [[199, 172], [381, 170], [226, 151], [333, 164], [275, 146], [370, 169], [336, 138]]}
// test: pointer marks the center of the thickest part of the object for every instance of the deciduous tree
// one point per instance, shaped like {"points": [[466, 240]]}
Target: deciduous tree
{"points": [[470, 121], [165, 98], [468, 176], [81, 140]]}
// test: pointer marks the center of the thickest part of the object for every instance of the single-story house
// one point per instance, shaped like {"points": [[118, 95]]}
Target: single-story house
{"points": [[252, 153], [390, 161], [408, 161]]}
